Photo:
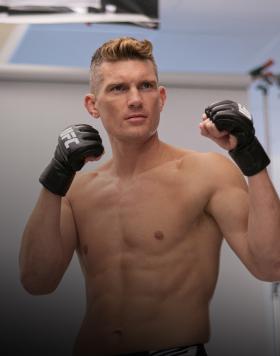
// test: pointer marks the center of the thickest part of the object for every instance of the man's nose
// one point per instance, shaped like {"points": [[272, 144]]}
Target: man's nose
{"points": [[134, 98]]}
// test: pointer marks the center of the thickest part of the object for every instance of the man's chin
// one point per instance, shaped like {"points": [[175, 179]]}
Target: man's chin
{"points": [[136, 136]]}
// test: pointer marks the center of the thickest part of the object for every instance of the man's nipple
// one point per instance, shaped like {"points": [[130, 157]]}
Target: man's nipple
{"points": [[159, 235]]}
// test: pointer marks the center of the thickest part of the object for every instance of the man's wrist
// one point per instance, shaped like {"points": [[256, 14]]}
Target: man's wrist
{"points": [[56, 179], [251, 159]]}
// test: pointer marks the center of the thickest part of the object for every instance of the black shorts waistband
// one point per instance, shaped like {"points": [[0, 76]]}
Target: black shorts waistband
{"points": [[192, 350]]}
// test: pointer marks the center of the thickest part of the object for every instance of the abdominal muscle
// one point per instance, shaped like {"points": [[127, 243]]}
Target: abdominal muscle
{"points": [[137, 303]]}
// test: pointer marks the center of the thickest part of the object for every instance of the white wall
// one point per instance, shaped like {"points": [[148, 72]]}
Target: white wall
{"points": [[36, 104]]}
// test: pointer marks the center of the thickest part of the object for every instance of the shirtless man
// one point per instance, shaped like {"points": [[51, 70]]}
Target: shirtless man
{"points": [[148, 224]]}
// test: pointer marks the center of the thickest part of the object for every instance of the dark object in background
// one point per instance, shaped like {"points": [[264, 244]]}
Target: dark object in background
{"points": [[147, 8]]}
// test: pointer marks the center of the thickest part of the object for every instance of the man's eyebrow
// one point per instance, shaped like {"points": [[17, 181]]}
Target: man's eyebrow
{"points": [[112, 84], [117, 82], [123, 82], [152, 81]]}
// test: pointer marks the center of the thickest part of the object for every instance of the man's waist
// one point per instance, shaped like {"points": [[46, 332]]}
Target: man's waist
{"points": [[135, 336], [192, 350]]}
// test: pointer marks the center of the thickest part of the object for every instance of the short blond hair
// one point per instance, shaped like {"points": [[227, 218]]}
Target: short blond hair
{"points": [[118, 49]]}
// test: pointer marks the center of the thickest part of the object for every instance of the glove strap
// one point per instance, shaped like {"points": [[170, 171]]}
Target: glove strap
{"points": [[56, 179], [251, 159]]}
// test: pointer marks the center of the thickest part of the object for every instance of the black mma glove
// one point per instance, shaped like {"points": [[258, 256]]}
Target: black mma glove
{"points": [[75, 144], [234, 118]]}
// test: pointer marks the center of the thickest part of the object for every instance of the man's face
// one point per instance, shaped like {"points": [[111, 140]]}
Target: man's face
{"points": [[128, 99]]}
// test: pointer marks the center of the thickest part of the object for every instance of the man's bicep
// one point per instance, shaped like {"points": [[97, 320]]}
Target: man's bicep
{"points": [[68, 230], [229, 206]]}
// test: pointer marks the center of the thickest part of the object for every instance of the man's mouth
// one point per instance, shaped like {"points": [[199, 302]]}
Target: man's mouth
{"points": [[136, 117]]}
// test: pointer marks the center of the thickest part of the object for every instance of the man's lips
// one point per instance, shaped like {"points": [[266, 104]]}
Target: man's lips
{"points": [[136, 117]]}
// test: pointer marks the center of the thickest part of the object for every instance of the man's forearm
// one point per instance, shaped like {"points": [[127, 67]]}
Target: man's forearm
{"points": [[41, 253], [264, 224]]}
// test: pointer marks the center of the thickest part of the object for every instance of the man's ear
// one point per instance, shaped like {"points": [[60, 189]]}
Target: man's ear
{"points": [[162, 94], [89, 103]]}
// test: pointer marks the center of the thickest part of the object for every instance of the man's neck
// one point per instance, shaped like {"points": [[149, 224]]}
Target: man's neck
{"points": [[132, 158]]}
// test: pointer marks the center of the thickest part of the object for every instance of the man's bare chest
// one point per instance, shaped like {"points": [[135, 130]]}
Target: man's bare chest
{"points": [[148, 213]]}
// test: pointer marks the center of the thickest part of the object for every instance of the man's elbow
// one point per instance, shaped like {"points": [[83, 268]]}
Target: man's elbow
{"points": [[37, 286], [269, 274], [268, 278]]}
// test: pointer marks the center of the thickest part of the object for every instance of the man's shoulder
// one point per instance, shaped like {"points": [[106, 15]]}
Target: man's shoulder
{"points": [[212, 166], [203, 159], [223, 172]]}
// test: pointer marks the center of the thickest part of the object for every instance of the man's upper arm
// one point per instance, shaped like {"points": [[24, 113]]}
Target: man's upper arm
{"points": [[229, 206], [68, 230]]}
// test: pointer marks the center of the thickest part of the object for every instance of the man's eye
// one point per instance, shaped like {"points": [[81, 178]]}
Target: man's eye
{"points": [[118, 88], [147, 85]]}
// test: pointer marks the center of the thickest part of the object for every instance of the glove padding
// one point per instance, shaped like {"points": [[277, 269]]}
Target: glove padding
{"points": [[75, 144], [234, 118]]}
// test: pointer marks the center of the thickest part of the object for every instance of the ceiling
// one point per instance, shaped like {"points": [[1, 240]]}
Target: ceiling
{"points": [[229, 35], [222, 17], [250, 26]]}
